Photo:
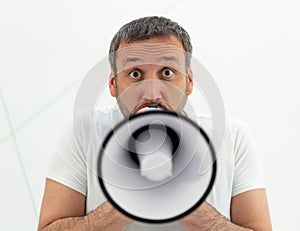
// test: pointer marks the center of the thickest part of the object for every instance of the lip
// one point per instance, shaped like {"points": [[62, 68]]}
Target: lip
{"points": [[147, 104]]}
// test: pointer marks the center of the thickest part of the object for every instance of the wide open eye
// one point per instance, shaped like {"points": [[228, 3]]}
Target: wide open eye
{"points": [[135, 74], [167, 73]]}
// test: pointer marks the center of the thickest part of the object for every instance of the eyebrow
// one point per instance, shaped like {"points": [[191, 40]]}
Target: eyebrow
{"points": [[136, 59], [168, 58], [172, 59], [130, 60]]}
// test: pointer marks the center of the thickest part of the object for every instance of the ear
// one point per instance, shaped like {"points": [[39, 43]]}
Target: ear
{"points": [[112, 84], [190, 81]]}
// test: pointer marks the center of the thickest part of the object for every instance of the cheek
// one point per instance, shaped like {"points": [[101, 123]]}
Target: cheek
{"points": [[122, 86], [174, 92], [182, 84], [128, 91]]}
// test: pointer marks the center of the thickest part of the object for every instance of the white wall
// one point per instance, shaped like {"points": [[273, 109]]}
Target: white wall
{"points": [[251, 48]]}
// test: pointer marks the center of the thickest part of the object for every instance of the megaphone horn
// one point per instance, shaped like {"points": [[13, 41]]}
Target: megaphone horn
{"points": [[149, 166]]}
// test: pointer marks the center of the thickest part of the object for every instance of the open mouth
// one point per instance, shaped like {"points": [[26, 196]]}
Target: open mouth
{"points": [[149, 105]]}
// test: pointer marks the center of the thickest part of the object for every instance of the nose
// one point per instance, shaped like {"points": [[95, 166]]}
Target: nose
{"points": [[151, 91]]}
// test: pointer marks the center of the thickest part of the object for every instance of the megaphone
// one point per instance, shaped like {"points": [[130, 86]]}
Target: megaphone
{"points": [[156, 166]]}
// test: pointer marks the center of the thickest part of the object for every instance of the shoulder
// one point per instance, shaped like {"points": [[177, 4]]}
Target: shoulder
{"points": [[230, 126], [228, 131], [88, 125], [87, 117], [94, 118]]}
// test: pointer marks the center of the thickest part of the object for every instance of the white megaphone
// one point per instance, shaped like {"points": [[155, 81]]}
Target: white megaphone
{"points": [[157, 166]]}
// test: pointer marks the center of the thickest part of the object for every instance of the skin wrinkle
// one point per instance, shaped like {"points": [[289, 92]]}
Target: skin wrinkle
{"points": [[170, 61], [146, 54]]}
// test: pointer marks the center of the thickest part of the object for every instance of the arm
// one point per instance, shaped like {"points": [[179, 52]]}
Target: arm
{"points": [[249, 211], [64, 209]]}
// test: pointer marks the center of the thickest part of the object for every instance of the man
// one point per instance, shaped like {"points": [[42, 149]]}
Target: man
{"points": [[150, 64]]}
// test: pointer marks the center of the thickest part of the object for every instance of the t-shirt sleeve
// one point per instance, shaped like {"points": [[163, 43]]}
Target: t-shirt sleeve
{"points": [[68, 164], [248, 172]]}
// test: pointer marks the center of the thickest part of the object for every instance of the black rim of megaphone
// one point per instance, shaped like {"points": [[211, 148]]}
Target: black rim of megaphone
{"points": [[156, 221]]}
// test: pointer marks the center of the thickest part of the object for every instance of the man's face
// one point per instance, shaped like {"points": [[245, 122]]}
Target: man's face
{"points": [[151, 71]]}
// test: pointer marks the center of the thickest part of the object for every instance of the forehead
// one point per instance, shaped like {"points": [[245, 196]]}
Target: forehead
{"points": [[171, 41], [151, 51]]}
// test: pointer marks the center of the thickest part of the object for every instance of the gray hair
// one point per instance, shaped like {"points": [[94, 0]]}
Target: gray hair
{"points": [[147, 28]]}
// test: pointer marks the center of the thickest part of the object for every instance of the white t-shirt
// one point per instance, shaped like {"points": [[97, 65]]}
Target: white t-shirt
{"points": [[74, 163]]}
